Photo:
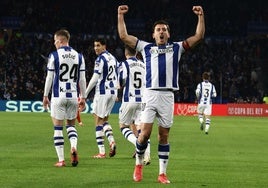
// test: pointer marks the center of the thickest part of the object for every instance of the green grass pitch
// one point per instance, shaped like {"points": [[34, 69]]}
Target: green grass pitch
{"points": [[234, 154]]}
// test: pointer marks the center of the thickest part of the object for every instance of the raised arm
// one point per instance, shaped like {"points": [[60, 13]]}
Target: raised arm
{"points": [[122, 30], [200, 28]]}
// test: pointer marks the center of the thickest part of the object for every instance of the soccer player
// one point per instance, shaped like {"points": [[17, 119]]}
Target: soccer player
{"points": [[162, 72], [131, 79], [66, 77], [105, 80], [204, 93]]}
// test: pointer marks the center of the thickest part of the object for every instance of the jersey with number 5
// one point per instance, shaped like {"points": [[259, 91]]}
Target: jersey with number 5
{"points": [[106, 66], [66, 64], [132, 71]]}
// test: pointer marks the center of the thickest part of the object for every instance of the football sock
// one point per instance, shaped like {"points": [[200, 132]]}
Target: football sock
{"points": [[59, 142], [148, 149], [200, 118], [163, 154], [72, 135], [100, 139], [207, 125], [108, 131], [140, 149], [128, 134]]}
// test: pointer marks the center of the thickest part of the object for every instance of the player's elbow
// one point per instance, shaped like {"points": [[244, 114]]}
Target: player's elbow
{"points": [[123, 37]]}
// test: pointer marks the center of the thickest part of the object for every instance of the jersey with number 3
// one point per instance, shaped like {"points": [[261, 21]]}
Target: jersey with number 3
{"points": [[106, 66], [204, 92], [66, 64]]}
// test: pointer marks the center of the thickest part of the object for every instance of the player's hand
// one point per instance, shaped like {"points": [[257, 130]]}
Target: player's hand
{"points": [[122, 9], [198, 10], [46, 102], [81, 104]]}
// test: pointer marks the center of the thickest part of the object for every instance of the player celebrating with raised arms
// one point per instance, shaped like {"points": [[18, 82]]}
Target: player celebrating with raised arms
{"points": [[161, 79]]}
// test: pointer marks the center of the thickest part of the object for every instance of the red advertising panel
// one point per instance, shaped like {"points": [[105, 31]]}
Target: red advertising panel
{"points": [[219, 110], [232, 109], [191, 109], [185, 109], [247, 109]]}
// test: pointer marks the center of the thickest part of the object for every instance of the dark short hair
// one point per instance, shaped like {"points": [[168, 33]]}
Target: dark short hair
{"points": [[100, 40], [161, 22], [206, 76]]}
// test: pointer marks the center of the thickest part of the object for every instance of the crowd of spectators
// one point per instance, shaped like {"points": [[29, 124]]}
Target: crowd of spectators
{"points": [[235, 60]]}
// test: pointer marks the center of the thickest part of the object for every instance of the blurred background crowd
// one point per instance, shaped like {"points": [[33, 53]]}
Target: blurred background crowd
{"points": [[235, 49]]}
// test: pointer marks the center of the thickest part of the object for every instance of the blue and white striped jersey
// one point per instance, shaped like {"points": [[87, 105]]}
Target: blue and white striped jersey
{"points": [[162, 64], [204, 92], [132, 72], [66, 63], [106, 66]]}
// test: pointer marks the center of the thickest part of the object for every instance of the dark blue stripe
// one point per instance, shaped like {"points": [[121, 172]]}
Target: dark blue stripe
{"points": [[58, 128], [68, 86], [72, 135], [163, 148], [98, 128], [163, 156], [58, 137], [80, 56], [104, 73], [162, 66], [59, 144], [56, 80], [148, 65], [175, 79], [138, 99], [126, 94], [141, 147]]}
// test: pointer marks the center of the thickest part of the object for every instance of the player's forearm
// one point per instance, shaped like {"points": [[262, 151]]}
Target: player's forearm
{"points": [[123, 34], [199, 33], [122, 30], [48, 83], [82, 87], [200, 28], [93, 81]]}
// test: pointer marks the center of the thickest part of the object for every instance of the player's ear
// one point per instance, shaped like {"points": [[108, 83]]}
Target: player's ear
{"points": [[168, 35]]}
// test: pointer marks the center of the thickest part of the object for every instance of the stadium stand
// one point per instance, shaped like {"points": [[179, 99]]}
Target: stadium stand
{"points": [[234, 50]]}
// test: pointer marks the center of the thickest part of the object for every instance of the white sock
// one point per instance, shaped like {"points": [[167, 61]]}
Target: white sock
{"points": [[200, 118], [72, 135], [108, 131], [100, 139], [59, 142], [129, 135], [148, 149]]}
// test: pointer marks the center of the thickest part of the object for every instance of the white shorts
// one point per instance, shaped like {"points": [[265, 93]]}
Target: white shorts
{"points": [[62, 108], [159, 105], [103, 105], [205, 109], [129, 113]]}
